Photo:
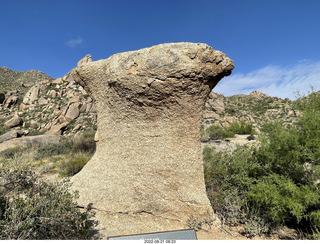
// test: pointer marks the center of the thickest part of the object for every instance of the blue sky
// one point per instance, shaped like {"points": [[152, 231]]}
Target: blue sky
{"points": [[274, 43]]}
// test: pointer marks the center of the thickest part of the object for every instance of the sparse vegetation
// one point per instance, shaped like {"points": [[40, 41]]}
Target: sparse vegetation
{"points": [[272, 184], [51, 149], [35, 210], [11, 153], [217, 132], [73, 166], [10, 80], [66, 157], [242, 128], [83, 143]]}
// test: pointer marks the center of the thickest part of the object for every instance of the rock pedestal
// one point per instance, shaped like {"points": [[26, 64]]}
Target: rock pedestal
{"points": [[147, 172]]}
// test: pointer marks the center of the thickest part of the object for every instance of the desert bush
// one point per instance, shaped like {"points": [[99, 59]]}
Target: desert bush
{"points": [[242, 128], [73, 166], [274, 183], [230, 111], [243, 190], [283, 200], [12, 152], [228, 179], [47, 168], [50, 149], [216, 132], [3, 130], [83, 143], [35, 133], [309, 125], [33, 209]]}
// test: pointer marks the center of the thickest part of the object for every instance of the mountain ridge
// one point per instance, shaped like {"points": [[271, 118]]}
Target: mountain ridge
{"points": [[21, 80]]}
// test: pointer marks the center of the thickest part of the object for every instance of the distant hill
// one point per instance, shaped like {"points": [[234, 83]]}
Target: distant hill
{"points": [[63, 107], [20, 80], [256, 108]]}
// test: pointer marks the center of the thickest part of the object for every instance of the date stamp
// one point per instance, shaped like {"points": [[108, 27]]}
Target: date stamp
{"points": [[158, 241]]}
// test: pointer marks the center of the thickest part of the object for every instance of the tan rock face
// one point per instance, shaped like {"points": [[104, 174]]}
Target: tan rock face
{"points": [[57, 129], [33, 93], [29, 141], [72, 111], [258, 94], [84, 60], [147, 172], [13, 122]]}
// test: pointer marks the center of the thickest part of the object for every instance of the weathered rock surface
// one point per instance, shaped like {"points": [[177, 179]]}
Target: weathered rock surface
{"points": [[13, 122], [72, 111], [57, 129], [8, 136], [29, 141], [32, 94], [147, 173], [85, 59], [10, 101]]}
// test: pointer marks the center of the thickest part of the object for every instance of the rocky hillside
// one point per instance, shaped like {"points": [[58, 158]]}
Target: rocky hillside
{"points": [[256, 108], [49, 107], [18, 80], [37, 104]]}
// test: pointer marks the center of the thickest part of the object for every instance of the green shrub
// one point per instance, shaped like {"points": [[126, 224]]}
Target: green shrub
{"points": [[309, 125], [230, 111], [281, 152], [35, 133], [83, 143], [274, 183], [12, 152], [283, 200], [227, 179], [243, 190], [3, 130], [216, 132], [51, 149], [73, 166], [242, 128], [35, 210]]}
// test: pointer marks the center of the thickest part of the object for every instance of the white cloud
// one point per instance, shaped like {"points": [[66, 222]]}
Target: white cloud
{"points": [[74, 42], [279, 81]]}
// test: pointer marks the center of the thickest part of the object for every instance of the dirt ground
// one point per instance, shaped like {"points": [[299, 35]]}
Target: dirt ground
{"points": [[226, 233]]}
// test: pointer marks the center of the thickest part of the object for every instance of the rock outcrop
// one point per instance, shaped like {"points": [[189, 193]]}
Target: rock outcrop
{"points": [[48, 104], [13, 122], [147, 173], [258, 94], [29, 141], [8, 136]]}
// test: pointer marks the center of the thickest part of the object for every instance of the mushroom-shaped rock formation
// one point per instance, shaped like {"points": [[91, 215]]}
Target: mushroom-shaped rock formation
{"points": [[147, 172]]}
